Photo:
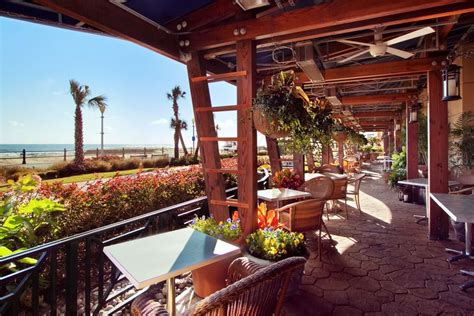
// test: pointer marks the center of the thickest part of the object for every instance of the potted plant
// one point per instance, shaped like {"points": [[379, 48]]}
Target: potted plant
{"points": [[279, 109], [268, 245], [339, 133], [211, 278]]}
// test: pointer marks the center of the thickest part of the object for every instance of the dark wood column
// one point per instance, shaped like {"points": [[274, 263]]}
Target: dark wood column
{"points": [[437, 155], [340, 153], [273, 154], [215, 185], [391, 141], [412, 146], [386, 148], [247, 148], [298, 164]]}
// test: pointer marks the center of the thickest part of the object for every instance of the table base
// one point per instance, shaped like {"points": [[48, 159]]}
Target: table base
{"points": [[420, 218], [170, 298]]}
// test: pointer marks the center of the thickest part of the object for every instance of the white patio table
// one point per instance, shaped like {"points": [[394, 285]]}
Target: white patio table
{"points": [[281, 194], [161, 257]]}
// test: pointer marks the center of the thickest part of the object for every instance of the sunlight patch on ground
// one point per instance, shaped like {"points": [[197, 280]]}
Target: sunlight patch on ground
{"points": [[343, 243], [374, 207]]}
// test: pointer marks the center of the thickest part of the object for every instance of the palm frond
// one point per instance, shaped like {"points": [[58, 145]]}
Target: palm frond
{"points": [[98, 102], [79, 93]]}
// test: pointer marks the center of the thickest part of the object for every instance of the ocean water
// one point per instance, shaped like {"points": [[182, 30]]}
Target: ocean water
{"points": [[50, 148]]}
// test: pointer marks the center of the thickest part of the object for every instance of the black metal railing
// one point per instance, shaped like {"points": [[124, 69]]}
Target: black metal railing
{"points": [[72, 275]]}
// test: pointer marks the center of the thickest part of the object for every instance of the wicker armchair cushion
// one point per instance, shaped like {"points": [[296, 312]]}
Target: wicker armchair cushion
{"points": [[320, 187], [261, 291]]}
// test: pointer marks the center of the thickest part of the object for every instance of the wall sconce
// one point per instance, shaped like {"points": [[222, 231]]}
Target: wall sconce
{"points": [[451, 83], [414, 113]]}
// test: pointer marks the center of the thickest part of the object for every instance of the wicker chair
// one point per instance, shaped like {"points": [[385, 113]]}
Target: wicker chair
{"points": [[356, 181], [254, 290], [328, 168], [339, 193], [304, 216], [321, 187]]}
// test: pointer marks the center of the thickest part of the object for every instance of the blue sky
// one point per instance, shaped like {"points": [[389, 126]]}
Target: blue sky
{"points": [[37, 62]]}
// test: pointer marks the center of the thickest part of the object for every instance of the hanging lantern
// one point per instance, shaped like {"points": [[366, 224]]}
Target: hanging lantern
{"points": [[451, 83], [414, 113]]}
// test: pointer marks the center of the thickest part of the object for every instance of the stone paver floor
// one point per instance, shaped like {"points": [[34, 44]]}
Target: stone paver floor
{"points": [[381, 263]]}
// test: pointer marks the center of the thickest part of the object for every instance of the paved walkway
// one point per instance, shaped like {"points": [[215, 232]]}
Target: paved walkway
{"points": [[382, 264]]}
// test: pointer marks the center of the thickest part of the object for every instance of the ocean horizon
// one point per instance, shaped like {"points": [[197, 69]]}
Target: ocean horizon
{"points": [[14, 148]]}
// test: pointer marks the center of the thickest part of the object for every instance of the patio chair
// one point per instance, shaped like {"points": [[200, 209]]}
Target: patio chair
{"points": [[304, 216], [320, 187], [328, 168], [356, 181], [339, 193], [253, 290]]}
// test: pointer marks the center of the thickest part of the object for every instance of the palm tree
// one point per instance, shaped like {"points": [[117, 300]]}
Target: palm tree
{"points": [[99, 102], [174, 96], [80, 94], [182, 126]]}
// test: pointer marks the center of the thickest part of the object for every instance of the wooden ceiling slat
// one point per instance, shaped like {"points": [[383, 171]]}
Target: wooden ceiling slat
{"points": [[336, 12], [375, 99], [112, 20]]}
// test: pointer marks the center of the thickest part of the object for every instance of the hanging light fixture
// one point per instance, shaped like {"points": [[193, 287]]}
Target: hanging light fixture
{"points": [[397, 125], [414, 113], [451, 82]]}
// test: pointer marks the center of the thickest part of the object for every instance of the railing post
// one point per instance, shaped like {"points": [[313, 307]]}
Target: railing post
{"points": [[71, 278], [23, 154], [123, 153], [64, 154], [97, 153], [144, 152]]}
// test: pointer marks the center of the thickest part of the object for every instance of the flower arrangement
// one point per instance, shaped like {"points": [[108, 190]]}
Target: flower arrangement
{"points": [[265, 217], [228, 230], [287, 178], [275, 244]]}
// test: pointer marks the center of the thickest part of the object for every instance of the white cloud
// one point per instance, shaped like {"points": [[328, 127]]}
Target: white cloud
{"points": [[161, 121], [16, 124], [58, 92], [226, 124]]}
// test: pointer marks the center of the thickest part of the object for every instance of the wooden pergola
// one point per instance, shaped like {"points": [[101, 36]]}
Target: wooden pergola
{"points": [[220, 41]]}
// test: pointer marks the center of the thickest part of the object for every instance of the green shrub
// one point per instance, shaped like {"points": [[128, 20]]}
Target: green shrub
{"points": [[15, 172], [128, 164]]}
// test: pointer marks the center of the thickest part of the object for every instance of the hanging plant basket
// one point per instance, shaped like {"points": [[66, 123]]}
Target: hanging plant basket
{"points": [[339, 136], [267, 127]]}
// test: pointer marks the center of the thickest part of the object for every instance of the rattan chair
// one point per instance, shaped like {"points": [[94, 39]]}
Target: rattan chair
{"points": [[328, 168], [304, 216], [254, 291], [339, 193], [356, 181], [320, 187]]}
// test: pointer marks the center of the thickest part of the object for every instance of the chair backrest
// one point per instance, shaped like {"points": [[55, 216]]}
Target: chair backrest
{"points": [[320, 187], [304, 215], [357, 181], [340, 189], [330, 169], [261, 293]]}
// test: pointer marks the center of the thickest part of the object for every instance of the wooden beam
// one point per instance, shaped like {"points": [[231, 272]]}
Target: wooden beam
{"points": [[410, 17], [215, 184], [273, 154], [375, 99], [112, 20], [336, 12], [216, 11], [374, 114], [247, 148], [389, 69], [298, 164], [438, 173], [412, 146]]}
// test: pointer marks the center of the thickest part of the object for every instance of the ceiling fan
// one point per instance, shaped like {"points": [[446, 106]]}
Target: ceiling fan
{"points": [[380, 47]]}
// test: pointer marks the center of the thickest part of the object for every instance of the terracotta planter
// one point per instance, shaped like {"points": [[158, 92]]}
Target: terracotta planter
{"points": [[339, 136], [295, 278], [265, 126], [211, 278]]}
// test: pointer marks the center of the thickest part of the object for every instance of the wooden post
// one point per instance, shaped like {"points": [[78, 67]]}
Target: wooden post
{"points": [[385, 143], [340, 153], [298, 164], [64, 154], [325, 154], [123, 152], [247, 148], [215, 185], [412, 146], [273, 154], [23, 155], [391, 140], [437, 155]]}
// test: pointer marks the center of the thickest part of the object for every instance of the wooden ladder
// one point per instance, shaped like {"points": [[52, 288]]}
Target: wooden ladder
{"points": [[207, 135]]}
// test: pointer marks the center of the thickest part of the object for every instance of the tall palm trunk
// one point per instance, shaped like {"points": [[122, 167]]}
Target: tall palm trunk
{"points": [[78, 137], [196, 152], [185, 150], [176, 130]]}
